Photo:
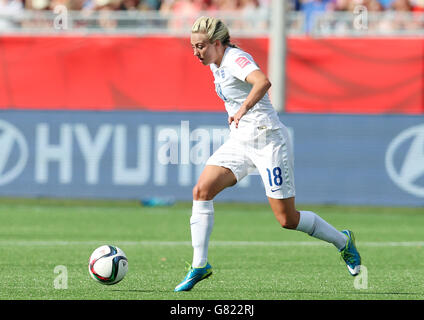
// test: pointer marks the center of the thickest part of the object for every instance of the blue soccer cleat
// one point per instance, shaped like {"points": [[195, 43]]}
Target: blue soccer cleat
{"points": [[193, 276], [350, 254]]}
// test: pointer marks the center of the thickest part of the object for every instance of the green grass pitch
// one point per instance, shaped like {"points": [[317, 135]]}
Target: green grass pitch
{"points": [[252, 256]]}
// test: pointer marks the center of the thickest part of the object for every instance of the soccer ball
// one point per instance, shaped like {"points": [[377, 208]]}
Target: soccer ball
{"points": [[108, 264]]}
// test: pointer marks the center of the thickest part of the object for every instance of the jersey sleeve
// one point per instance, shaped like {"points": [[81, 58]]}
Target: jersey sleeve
{"points": [[241, 65]]}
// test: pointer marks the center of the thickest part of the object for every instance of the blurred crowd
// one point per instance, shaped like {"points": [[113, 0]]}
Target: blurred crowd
{"points": [[193, 6], [251, 15], [177, 6], [389, 20], [349, 5]]}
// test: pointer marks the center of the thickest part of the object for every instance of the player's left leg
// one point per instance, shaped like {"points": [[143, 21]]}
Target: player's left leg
{"points": [[275, 162], [306, 221], [312, 224]]}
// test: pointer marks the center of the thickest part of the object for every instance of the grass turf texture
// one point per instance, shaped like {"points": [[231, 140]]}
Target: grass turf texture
{"points": [[252, 256]]}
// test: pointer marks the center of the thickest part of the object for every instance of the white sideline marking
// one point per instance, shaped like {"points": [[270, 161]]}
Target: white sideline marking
{"points": [[212, 243]]}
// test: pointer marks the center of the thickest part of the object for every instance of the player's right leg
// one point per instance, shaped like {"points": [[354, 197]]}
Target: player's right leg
{"points": [[275, 162], [213, 180]]}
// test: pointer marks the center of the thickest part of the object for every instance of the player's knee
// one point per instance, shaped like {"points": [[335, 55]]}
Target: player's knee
{"points": [[201, 192], [289, 225], [287, 221]]}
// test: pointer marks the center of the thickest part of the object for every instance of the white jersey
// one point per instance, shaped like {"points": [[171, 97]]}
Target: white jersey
{"points": [[231, 86]]}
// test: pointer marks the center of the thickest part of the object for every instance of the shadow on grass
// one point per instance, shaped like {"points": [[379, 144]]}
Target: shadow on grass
{"points": [[142, 291]]}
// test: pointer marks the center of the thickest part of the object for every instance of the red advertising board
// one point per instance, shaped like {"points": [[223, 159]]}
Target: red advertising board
{"points": [[160, 74], [371, 76]]}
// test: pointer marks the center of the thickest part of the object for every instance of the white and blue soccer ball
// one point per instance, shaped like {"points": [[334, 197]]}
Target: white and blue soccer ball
{"points": [[108, 264]]}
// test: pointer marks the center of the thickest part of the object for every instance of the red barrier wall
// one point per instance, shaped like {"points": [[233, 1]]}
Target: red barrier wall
{"points": [[160, 73], [356, 76]]}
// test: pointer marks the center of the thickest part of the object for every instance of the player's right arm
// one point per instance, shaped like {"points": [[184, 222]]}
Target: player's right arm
{"points": [[260, 86]]}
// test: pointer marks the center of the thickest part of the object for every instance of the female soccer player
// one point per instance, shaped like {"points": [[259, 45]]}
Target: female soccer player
{"points": [[258, 140]]}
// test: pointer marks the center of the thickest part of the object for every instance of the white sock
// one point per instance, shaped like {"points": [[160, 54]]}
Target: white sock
{"points": [[201, 224], [317, 227]]}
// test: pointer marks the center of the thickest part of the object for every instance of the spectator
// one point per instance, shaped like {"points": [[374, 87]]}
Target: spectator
{"points": [[295, 5], [253, 15], [249, 6], [401, 5], [229, 5], [148, 5], [373, 5], [37, 4], [88, 5], [105, 7], [311, 9], [76, 4], [417, 5], [213, 6], [54, 3], [340, 5], [404, 8], [386, 3], [127, 5], [9, 9], [184, 12], [11, 6]]}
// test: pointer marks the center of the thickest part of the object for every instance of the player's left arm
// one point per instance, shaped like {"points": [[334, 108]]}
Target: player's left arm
{"points": [[260, 86]]}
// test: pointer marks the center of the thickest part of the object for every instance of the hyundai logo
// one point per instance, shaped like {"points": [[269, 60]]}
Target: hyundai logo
{"points": [[13, 152], [405, 160]]}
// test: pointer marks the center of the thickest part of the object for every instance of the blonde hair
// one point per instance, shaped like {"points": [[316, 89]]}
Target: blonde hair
{"points": [[214, 28]]}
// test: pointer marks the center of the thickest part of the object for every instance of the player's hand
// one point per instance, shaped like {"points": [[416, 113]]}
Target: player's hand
{"points": [[236, 118]]}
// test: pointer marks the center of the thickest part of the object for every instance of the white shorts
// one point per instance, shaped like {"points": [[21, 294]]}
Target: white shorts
{"points": [[271, 153]]}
